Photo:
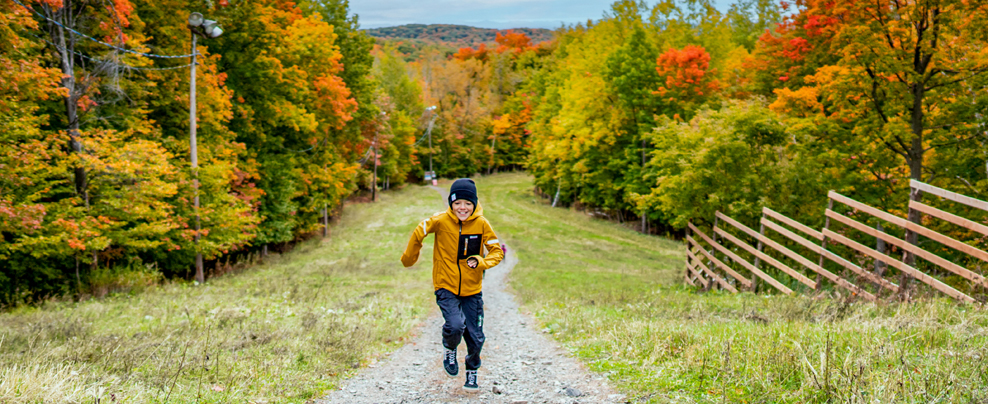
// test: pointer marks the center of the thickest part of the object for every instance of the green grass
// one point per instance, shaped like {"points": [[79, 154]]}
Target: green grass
{"points": [[283, 331], [616, 299], [289, 329]]}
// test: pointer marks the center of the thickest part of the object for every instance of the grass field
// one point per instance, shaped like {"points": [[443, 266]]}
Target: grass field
{"points": [[289, 329], [283, 331], [615, 298]]}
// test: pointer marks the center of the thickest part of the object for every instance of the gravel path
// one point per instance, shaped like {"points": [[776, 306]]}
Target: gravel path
{"points": [[520, 365]]}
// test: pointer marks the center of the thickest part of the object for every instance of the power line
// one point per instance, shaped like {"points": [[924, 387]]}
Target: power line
{"points": [[150, 55], [90, 58], [426, 134], [420, 139], [366, 156]]}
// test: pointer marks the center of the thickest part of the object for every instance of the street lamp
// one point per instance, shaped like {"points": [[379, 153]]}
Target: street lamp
{"points": [[207, 28]]}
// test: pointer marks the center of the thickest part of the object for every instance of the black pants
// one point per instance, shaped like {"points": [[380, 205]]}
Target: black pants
{"points": [[464, 317]]}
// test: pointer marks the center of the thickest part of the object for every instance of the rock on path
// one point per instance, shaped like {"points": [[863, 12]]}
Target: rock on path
{"points": [[520, 365]]}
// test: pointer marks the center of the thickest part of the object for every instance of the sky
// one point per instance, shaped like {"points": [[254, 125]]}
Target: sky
{"points": [[500, 14]]}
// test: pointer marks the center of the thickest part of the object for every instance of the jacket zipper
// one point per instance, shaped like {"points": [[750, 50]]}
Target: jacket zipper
{"points": [[458, 270]]}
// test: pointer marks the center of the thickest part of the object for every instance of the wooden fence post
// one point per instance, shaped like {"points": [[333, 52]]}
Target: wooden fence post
{"points": [[713, 251], [688, 265], [761, 249], [911, 237], [823, 242]]}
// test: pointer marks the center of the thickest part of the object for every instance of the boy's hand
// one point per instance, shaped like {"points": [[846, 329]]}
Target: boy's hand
{"points": [[472, 262]]}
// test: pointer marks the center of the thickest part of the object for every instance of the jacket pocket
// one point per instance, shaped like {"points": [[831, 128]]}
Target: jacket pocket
{"points": [[469, 246]]}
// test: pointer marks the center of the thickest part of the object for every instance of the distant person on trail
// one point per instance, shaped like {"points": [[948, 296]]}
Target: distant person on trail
{"points": [[458, 265]]}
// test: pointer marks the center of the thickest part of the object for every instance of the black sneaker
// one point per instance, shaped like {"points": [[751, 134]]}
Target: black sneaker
{"points": [[471, 385], [449, 362]]}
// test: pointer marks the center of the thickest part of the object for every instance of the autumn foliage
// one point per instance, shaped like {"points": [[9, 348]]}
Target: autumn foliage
{"points": [[769, 104], [687, 74], [94, 152], [510, 41], [480, 53]]}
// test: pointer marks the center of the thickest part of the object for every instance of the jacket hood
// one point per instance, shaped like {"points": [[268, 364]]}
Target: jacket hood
{"points": [[477, 212]]}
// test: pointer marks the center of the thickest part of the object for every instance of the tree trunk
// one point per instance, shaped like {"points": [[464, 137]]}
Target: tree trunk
{"points": [[491, 167], [65, 50], [78, 280], [67, 45], [325, 220], [915, 161]]}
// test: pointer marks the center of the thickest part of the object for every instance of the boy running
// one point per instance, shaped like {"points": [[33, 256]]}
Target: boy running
{"points": [[458, 265]]}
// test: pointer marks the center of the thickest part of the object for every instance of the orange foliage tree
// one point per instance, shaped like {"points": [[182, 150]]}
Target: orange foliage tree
{"points": [[687, 77]]}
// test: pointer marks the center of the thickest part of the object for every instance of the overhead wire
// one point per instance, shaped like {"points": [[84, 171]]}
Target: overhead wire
{"points": [[426, 133], [145, 54], [92, 59], [366, 156], [150, 55], [420, 139]]}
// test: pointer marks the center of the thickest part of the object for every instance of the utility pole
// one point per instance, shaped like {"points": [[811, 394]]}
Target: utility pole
{"points": [[208, 28], [429, 133], [384, 117], [200, 276], [490, 167], [374, 183]]}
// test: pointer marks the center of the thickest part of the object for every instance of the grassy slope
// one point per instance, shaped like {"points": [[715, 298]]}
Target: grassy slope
{"points": [[616, 299], [289, 329], [281, 332]]}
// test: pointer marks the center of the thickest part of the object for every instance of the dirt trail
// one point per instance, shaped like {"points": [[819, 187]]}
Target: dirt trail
{"points": [[520, 364]]}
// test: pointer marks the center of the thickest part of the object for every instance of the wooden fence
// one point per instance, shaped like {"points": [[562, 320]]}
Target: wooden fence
{"points": [[786, 254]]}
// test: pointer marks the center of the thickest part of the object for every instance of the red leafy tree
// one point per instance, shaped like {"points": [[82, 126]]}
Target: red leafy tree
{"points": [[687, 75]]}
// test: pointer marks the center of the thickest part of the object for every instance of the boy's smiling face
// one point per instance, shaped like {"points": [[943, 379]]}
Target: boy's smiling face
{"points": [[462, 208]]}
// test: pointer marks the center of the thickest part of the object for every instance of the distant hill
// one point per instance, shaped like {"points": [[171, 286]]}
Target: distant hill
{"points": [[452, 35]]}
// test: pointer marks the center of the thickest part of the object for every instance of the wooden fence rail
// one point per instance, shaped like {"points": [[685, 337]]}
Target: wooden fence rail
{"points": [[704, 267]]}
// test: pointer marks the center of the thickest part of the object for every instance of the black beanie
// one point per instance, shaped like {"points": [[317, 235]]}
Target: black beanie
{"points": [[463, 188]]}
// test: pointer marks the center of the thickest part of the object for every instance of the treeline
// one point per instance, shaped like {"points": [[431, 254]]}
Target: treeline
{"points": [[481, 104], [651, 115], [454, 35], [96, 187]]}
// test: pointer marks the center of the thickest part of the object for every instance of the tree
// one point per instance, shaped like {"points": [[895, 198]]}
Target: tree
{"points": [[401, 100], [688, 80], [749, 19], [903, 70], [283, 67], [393, 77], [736, 159], [631, 74], [792, 49]]}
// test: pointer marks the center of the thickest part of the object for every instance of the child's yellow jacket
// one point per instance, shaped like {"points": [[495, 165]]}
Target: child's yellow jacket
{"points": [[456, 242]]}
